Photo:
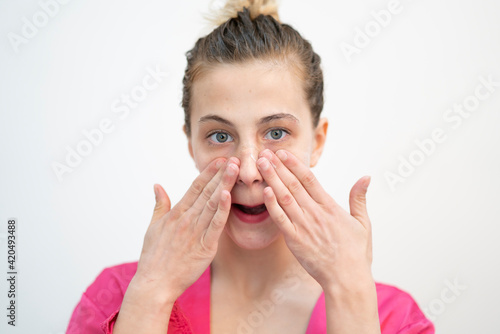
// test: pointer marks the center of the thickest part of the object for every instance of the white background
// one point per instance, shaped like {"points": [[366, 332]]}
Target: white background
{"points": [[440, 225]]}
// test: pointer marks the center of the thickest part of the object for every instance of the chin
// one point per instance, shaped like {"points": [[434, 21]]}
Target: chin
{"points": [[251, 236]]}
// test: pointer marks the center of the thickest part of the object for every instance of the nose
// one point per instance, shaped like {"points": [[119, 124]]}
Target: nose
{"points": [[249, 174]]}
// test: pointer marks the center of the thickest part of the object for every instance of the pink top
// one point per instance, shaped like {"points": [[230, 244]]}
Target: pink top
{"points": [[98, 308]]}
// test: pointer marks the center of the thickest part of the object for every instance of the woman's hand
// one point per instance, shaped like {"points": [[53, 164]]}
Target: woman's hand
{"points": [[178, 247], [181, 243], [332, 245]]}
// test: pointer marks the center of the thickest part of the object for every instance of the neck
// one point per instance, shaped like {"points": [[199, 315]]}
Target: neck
{"points": [[255, 272]]}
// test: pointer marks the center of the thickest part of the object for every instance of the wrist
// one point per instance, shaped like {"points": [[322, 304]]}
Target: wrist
{"points": [[151, 294], [351, 290], [356, 303], [143, 310]]}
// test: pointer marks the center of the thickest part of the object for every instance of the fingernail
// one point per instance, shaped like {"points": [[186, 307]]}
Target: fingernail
{"points": [[282, 155], [156, 192], [269, 156], [219, 163], [367, 183], [266, 154], [233, 160], [231, 169], [263, 163], [268, 192]]}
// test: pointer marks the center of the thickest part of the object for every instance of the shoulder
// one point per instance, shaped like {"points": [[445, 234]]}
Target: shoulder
{"points": [[97, 309], [120, 274], [108, 288], [399, 312]]}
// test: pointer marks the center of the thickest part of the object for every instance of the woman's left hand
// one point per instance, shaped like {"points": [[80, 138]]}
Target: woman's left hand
{"points": [[334, 246]]}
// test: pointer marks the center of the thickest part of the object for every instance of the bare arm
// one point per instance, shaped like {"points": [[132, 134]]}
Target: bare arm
{"points": [[143, 311], [352, 309]]}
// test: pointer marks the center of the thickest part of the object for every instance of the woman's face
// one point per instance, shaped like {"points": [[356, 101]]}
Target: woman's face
{"points": [[238, 111]]}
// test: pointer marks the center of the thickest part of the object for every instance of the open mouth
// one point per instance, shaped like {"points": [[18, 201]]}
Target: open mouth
{"points": [[250, 214], [250, 210]]}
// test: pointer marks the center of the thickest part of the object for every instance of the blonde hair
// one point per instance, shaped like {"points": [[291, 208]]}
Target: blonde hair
{"points": [[231, 8], [250, 30]]}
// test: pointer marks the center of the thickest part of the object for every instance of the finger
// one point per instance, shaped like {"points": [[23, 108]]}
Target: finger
{"points": [[199, 184], [277, 214], [162, 205], [209, 189], [282, 194], [305, 176], [290, 181], [212, 205], [218, 221], [357, 201]]}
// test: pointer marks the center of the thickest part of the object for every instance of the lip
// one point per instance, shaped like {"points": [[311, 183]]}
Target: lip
{"points": [[248, 218]]}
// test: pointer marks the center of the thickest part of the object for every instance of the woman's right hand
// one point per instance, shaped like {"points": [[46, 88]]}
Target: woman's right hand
{"points": [[178, 247], [181, 243]]}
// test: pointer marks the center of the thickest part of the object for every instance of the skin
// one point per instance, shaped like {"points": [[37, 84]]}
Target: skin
{"points": [[263, 157]]}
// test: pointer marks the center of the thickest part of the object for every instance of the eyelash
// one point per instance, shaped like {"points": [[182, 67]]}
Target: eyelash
{"points": [[211, 142]]}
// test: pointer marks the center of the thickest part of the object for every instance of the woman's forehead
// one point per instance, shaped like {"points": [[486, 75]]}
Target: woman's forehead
{"points": [[252, 91]]}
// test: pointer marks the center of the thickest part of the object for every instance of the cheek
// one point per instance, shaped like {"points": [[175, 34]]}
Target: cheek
{"points": [[305, 157], [302, 152], [300, 149], [204, 155], [202, 160]]}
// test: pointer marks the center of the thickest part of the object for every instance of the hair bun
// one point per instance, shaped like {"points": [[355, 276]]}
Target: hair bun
{"points": [[221, 12]]}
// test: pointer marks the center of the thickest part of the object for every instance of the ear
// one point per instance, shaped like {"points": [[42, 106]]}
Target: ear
{"points": [[319, 141], [190, 146]]}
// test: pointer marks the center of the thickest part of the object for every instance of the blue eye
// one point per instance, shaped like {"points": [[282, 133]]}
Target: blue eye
{"points": [[276, 134], [221, 137]]}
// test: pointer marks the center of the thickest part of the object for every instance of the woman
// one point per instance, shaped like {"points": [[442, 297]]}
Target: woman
{"points": [[256, 245]]}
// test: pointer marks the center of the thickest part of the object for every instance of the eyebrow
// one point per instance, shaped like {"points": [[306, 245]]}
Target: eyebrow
{"points": [[262, 121]]}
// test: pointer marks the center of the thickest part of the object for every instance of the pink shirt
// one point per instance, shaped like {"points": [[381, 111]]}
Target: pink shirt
{"points": [[98, 308]]}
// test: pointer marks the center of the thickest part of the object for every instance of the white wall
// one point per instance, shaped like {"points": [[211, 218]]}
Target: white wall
{"points": [[440, 224]]}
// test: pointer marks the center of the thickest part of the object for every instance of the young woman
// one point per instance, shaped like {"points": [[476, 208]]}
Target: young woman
{"points": [[256, 245]]}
